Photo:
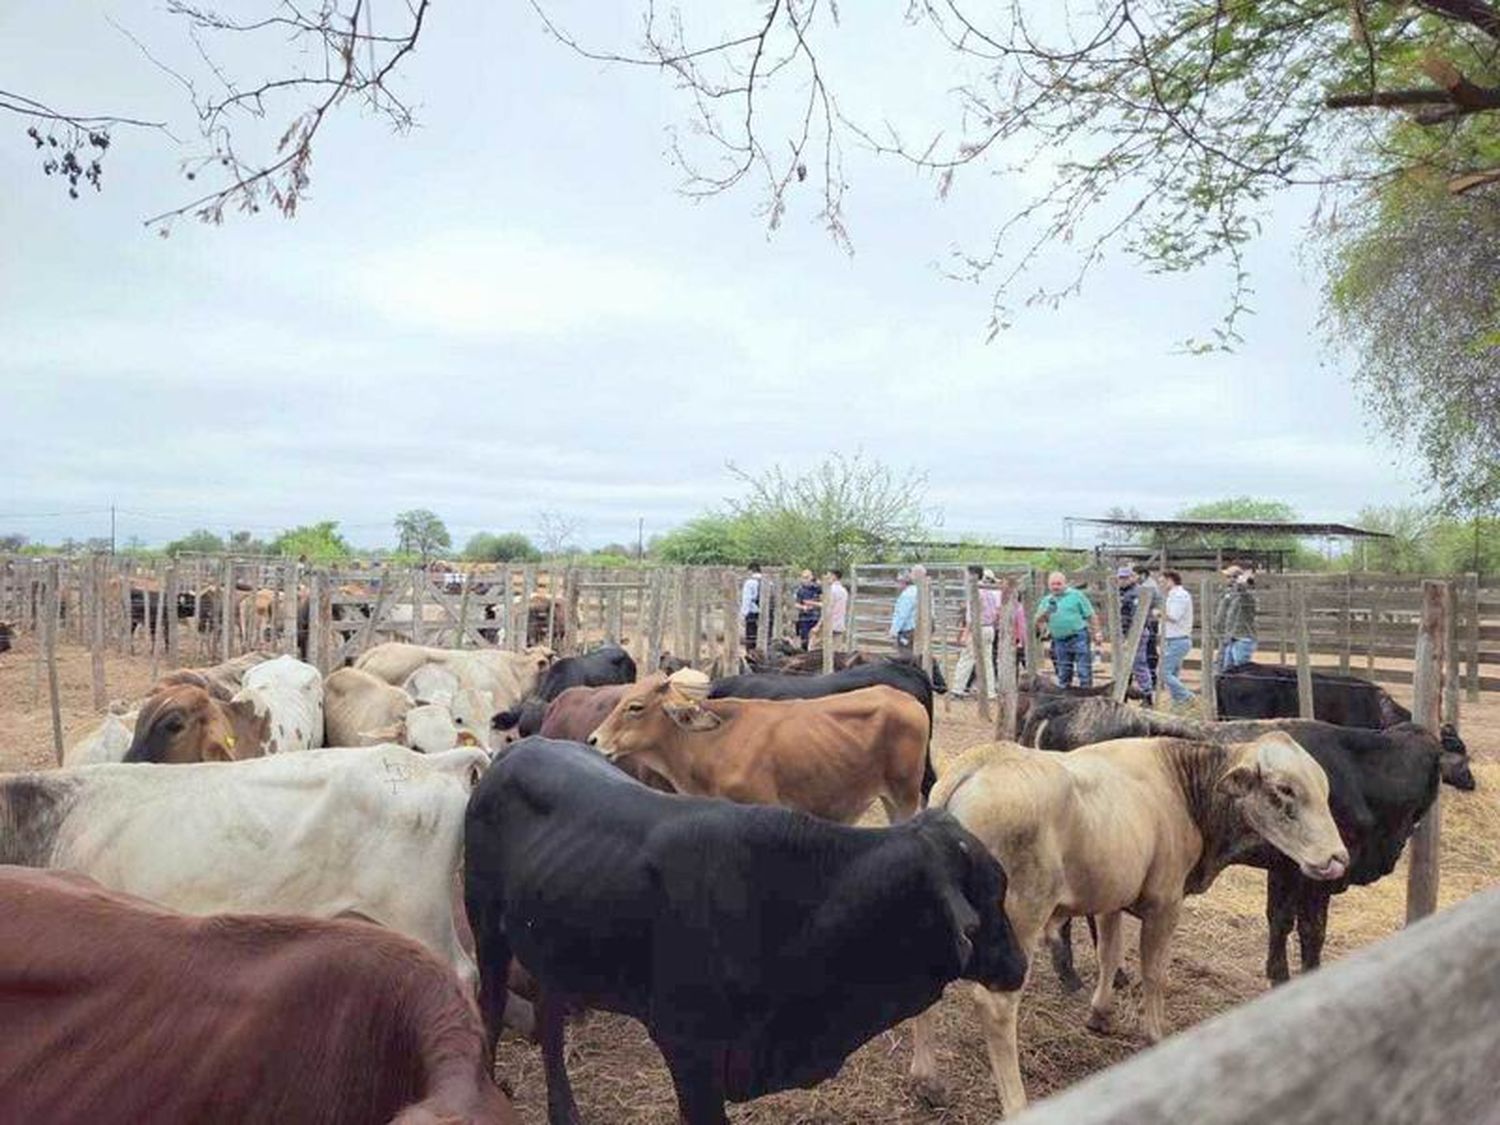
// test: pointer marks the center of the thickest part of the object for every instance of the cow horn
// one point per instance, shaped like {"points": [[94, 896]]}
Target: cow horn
{"points": [[1276, 750], [690, 682]]}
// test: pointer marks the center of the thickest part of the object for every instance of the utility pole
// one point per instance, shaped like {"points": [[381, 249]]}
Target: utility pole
{"points": [[640, 538], [111, 528]]}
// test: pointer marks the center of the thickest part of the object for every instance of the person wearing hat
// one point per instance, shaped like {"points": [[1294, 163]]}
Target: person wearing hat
{"points": [[989, 620], [904, 613], [1234, 618], [1070, 621], [1130, 597]]}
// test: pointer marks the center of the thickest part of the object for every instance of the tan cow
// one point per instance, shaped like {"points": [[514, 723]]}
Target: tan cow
{"points": [[828, 757], [361, 710], [183, 722], [1130, 825], [509, 677]]}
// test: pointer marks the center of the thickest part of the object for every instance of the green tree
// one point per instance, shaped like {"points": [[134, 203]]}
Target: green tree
{"points": [[712, 539], [245, 543], [1409, 550], [1461, 546], [1414, 303], [420, 532], [198, 542], [317, 542], [511, 546], [12, 543]]}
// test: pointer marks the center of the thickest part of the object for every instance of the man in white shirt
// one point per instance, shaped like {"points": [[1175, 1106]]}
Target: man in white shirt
{"points": [[1176, 635], [750, 605]]}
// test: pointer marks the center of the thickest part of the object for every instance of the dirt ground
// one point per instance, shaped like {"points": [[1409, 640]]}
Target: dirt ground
{"points": [[1217, 957]]}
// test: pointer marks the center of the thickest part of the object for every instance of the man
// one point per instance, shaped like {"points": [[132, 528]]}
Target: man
{"points": [[1146, 581], [1234, 618], [1130, 598], [904, 615], [1070, 620], [838, 608], [989, 619], [750, 605], [809, 606], [1177, 636]]}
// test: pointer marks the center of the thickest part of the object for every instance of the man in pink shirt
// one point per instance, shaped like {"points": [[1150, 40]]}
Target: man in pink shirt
{"points": [[838, 608], [989, 619]]}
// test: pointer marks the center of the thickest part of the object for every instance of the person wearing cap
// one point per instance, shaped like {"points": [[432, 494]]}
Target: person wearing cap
{"points": [[1145, 580], [1070, 621], [1130, 597], [904, 614], [989, 620], [1234, 618], [809, 606]]}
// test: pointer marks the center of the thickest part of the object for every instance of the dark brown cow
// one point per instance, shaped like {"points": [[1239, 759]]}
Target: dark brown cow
{"points": [[184, 722], [116, 1010], [829, 757], [578, 712]]}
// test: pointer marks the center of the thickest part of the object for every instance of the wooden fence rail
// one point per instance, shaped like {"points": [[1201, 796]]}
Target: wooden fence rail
{"points": [[1399, 1033]]}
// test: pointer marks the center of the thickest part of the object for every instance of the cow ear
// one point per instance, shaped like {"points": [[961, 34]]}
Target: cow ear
{"points": [[1240, 780], [689, 716]]}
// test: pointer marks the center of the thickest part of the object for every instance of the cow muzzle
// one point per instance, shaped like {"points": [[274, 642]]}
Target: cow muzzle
{"points": [[1334, 868]]}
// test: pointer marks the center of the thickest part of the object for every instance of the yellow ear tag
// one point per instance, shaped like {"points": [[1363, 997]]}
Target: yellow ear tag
{"points": [[229, 741]]}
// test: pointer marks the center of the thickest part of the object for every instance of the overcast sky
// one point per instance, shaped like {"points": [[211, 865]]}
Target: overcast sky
{"points": [[512, 309]]}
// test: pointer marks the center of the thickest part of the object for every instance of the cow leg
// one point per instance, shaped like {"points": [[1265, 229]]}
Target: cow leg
{"points": [[561, 1108], [1281, 904], [1312, 922], [1060, 945], [1157, 927], [998, 1015], [700, 1096], [1110, 950]]}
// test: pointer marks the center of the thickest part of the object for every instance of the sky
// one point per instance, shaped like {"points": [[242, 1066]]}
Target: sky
{"points": [[512, 309]]}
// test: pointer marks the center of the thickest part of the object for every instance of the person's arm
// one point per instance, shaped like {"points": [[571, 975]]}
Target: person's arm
{"points": [[1091, 619]]}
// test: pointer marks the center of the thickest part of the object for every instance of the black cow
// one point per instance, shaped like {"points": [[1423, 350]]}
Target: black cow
{"points": [[1380, 783], [899, 674], [759, 946], [145, 607], [610, 664], [5, 636]]}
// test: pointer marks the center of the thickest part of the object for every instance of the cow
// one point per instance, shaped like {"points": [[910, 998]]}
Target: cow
{"points": [[288, 695], [901, 675], [509, 677], [7, 632], [374, 832], [829, 757], [183, 722], [108, 742], [223, 681], [360, 710], [610, 664], [1124, 826], [760, 947], [1381, 784], [117, 1011], [572, 717]]}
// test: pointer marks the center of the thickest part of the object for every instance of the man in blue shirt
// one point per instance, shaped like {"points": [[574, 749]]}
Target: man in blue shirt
{"points": [[904, 614]]}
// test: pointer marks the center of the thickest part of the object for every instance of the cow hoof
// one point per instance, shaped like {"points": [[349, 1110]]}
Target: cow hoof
{"points": [[930, 1092], [1070, 982], [1277, 974], [1098, 1021]]}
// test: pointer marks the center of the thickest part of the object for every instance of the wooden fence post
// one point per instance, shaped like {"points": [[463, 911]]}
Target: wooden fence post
{"points": [[94, 607], [1116, 640], [922, 640], [825, 627], [1207, 680], [174, 623], [1133, 641], [1471, 688], [226, 608], [419, 603], [1451, 688], [528, 587], [851, 633], [1009, 689], [1346, 625], [291, 586], [1305, 701], [1427, 681], [734, 625], [315, 637], [49, 646], [975, 615]]}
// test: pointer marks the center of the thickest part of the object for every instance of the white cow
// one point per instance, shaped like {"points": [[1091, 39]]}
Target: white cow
{"points": [[289, 695], [105, 743], [360, 710], [375, 832], [508, 677]]}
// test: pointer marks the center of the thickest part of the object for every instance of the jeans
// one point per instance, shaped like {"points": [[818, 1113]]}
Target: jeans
{"points": [[1236, 650], [1174, 651], [1140, 670], [1070, 653], [965, 667]]}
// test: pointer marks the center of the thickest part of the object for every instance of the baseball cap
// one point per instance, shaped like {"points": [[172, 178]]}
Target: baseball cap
{"points": [[988, 575], [1125, 572]]}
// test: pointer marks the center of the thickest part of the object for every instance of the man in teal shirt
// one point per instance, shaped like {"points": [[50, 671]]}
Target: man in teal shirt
{"points": [[1070, 619]]}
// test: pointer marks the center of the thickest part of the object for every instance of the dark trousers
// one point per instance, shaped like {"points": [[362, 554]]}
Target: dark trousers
{"points": [[752, 629]]}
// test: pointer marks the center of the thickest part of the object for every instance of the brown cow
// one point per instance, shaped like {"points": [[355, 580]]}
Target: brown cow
{"points": [[829, 757], [579, 711], [184, 722], [116, 1010]]}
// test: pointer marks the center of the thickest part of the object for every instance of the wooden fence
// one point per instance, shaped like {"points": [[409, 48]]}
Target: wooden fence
{"points": [[1361, 624]]}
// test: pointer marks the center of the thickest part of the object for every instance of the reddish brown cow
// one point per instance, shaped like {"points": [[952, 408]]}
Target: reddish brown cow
{"points": [[829, 757], [578, 712], [185, 722], [116, 1010]]}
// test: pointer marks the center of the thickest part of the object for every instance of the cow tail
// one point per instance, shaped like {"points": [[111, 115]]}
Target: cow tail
{"points": [[929, 775]]}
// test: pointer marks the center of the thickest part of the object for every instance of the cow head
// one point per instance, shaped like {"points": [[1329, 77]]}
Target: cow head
{"points": [[1454, 759], [182, 722], [1282, 793], [655, 712], [971, 885]]}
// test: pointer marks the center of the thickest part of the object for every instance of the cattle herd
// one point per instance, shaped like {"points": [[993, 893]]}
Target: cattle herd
{"points": [[262, 894]]}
